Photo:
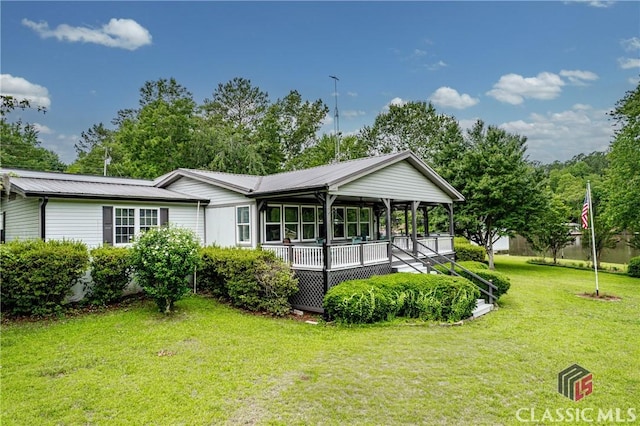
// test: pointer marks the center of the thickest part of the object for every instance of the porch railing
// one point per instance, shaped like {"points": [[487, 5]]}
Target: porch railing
{"points": [[440, 243]]}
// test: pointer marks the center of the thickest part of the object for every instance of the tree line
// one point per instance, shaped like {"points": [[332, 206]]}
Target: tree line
{"points": [[240, 130]]}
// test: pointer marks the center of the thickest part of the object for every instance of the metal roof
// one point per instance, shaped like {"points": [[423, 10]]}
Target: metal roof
{"points": [[32, 183], [315, 178]]}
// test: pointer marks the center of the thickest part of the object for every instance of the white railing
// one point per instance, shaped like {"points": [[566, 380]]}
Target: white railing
{"points": [[431, 242], [307, 257], [281, 252], [344, 256], [403, 242], [375, 252]]}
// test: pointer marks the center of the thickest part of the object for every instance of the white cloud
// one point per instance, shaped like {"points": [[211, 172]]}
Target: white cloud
{"points": [[634, 81], [594, 3], [514, 88], [121, 33], [418, 53], [627, 63], [631, 44], [579, 78], [352, 94], [562, 135], [353, 113], [436, 66], [21, 89], [395, 101], [448, 97], [42, 129]]}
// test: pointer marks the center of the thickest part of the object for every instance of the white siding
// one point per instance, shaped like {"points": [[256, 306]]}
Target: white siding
{"points": [[215, 194], [221, 225], [82, 219], [22, 218], [400, 181]]}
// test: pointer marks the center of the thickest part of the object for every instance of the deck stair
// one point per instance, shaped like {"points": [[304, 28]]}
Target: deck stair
{"points": [[482, 308], [413, 267]]}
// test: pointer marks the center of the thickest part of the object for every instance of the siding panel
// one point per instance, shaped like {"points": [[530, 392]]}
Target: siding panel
{"points": [[400, 181], [22, 218]]}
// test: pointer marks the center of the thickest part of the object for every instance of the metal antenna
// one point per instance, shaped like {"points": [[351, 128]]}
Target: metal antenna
{"points": [[336, 117]]}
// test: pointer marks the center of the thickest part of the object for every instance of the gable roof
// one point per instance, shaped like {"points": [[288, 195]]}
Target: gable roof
{"points": [[64, 185], [324, 177]]}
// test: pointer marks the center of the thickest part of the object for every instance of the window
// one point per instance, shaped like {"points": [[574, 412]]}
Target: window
{"points": [[365, 222], [291, 219], [148, 219], [352, 221], [338, 222], [125, 225], [243, 224], [308, 223], [321, 233], [272, 224]]}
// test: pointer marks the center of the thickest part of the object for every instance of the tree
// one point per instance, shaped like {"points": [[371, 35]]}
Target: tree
{"points": [[324, 152], [549, 230], [157, 137], [623, 174], [94, 149], [20, 146], [289, 127], [417, 126], [502, 189]]}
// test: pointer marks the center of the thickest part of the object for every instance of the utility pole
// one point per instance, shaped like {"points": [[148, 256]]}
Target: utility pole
{"points": [[336, 117]]}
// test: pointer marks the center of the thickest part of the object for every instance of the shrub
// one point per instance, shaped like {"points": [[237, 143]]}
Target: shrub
{"points": [[250, 279], [37, 276], [429, 297], [163, 259], [110, 272], [499, 280], [465, 251], [634, 267]]}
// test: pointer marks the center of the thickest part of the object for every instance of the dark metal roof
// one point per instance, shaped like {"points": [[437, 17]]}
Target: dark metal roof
{"points": [[313, 179], [32, 183]]}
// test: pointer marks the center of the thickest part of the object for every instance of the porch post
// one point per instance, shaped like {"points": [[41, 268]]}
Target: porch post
{"points": [[425, 217], [260, 205], [406, 220], [328, 232], [414, 226], [387, 205]]}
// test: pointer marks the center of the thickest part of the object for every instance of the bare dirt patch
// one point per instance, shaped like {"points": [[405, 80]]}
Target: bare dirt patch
{"points": [[603, 297]]}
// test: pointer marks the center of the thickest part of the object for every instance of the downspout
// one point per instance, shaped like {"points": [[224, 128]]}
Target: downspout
{"points": [[43, 217], [195, 268]]}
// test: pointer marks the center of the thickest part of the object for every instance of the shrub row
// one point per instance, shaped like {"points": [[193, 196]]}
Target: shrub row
{"points": [[250, 279], [634, 267], [37, 276], [480, 269], [465, 251], [381, 298]]}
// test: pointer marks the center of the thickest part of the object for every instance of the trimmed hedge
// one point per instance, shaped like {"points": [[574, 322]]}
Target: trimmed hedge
{"points": [[634, 267], [380, 298], [501, 281], [37, 276], [111, 272], [250, 279], [465, 251]]}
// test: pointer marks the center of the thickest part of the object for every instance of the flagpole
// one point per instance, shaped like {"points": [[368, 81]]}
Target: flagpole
{"points": [[593, 237]]}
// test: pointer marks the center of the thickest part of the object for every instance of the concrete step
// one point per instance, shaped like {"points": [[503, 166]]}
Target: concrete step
{"points": [[406, 268], [482, 308]]}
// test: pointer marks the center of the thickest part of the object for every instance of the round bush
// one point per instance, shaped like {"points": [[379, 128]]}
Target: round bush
{"points": [[163, 259], [634, 267]]}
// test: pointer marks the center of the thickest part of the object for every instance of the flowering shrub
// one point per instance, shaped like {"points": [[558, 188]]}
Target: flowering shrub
{"points": [[163, 259]]}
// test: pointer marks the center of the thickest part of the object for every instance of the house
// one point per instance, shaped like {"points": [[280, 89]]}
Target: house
{"points": [[331, 223]]}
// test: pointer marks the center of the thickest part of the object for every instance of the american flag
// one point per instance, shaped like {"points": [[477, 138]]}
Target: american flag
{"points": [[585, 212]]}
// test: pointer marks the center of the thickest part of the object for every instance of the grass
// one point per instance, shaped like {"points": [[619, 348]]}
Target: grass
{"points": [[210, 364]]}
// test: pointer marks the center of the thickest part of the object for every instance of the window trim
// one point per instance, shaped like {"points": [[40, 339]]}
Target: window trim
{"points": [[136, 222], [248, 242]]}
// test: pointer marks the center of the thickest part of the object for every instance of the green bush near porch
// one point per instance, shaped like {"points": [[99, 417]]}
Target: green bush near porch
{"points": [[380, 298], [634, 267], [111, 273], [465, 251], [250, 279]]}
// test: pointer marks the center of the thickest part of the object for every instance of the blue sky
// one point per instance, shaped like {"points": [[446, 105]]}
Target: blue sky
{"points": [[546, 70]]}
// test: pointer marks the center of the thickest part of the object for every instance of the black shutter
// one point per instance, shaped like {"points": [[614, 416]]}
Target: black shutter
{"points": [[107, 225], [164, 216]]}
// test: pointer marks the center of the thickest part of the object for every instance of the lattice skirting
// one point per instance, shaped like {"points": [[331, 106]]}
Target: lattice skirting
{"points": [[311, 284]]}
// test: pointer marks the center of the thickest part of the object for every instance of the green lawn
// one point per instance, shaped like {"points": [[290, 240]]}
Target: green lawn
{"points": [[210, 364]]}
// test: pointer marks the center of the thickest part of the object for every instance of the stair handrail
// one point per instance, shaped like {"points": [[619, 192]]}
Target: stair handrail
{"points": [[491, 286], [410, 255]]}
